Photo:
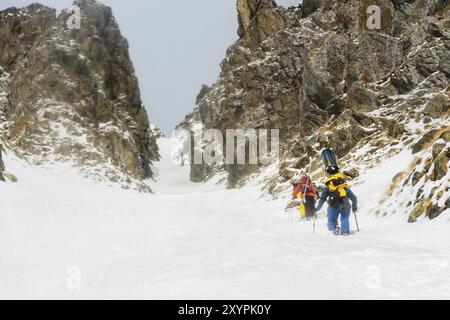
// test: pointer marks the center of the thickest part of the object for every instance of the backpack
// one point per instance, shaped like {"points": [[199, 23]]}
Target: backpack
{"points": [[337, 186], [305, 188]]}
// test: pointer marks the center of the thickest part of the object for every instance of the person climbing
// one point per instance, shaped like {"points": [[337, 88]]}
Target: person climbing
{"points": [[293, 202], [338, 193], [306, 192]]}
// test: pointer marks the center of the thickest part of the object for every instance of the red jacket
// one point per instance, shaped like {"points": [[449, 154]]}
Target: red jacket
{"points": [[305, 184]]}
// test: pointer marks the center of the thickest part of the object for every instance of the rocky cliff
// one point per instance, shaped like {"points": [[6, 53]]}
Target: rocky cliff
{"points": [[325, 77], [71, 95], [2, 166]]}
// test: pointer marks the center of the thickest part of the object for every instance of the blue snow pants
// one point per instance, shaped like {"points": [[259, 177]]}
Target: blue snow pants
{"points": [[333, 215]]}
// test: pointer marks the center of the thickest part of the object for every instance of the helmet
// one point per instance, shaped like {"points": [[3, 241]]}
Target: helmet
{"points": [[332, 170]]}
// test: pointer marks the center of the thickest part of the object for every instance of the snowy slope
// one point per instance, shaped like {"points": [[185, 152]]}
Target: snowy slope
{"points": [[63, 237]]}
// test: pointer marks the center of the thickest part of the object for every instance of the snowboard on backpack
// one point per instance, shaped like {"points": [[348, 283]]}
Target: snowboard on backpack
{"points": [[329, 159]]}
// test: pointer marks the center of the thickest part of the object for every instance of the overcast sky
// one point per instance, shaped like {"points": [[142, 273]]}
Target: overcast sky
{"points": [[176, 46]]}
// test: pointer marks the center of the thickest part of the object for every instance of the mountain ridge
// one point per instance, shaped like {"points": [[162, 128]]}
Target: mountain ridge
{"points": [[318, 74], [72, 95]]}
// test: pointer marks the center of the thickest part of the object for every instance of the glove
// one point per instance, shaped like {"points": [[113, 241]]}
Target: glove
{"points": [[355, 209]]}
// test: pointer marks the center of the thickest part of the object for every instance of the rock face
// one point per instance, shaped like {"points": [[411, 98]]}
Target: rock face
{"points": [[2, 166], [71, 95], [323, 76], [429, 179]]}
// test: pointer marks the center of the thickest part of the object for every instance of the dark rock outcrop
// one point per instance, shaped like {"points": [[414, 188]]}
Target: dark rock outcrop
{"points": [[2, 165], [72, 95], [430, 180], [258, 20]]}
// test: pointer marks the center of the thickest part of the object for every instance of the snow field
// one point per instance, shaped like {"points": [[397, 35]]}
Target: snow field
{"points": [[62, 237]]}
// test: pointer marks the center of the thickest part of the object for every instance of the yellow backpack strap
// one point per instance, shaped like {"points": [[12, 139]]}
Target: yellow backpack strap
{"points": [[342, 188]]}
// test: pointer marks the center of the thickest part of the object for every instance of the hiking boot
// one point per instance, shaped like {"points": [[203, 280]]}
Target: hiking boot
{"points": [[337, 231]]}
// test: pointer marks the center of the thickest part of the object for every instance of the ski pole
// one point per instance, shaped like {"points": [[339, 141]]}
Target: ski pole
{"points": [[314, 223], [356, 219]]}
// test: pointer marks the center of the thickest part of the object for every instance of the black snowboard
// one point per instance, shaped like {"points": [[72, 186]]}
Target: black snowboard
{"points": [[329, 159]]}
